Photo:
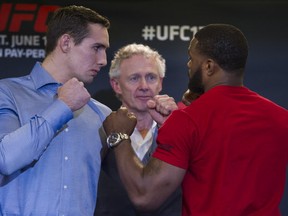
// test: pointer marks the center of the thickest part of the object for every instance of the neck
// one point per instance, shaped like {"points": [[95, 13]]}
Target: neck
{"points": [[225, 79], [55, 69], [144, 123]]}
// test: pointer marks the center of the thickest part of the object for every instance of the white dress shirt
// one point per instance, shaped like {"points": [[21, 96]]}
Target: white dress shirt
{"points": [[141, 145]]}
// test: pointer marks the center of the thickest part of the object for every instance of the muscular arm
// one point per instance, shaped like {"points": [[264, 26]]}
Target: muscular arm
{"points": [[148, 186]]}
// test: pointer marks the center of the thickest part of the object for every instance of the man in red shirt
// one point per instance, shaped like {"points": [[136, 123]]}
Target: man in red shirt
{"points": [[228, 148]]}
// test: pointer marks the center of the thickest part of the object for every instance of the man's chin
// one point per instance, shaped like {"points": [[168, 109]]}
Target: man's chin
{"points": [[88, 80], [198, 90], [142, 107]]}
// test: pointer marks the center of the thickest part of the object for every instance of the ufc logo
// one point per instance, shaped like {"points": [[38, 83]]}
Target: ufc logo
{"points": [[12, 16]]}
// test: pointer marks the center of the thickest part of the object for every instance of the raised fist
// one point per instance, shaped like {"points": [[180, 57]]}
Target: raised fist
{"points": [[74, 94]]}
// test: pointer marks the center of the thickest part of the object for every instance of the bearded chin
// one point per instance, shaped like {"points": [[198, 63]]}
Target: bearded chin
{"points": [[195, 84], [196, 89]]}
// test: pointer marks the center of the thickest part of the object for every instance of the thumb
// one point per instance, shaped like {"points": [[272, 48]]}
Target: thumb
{"points": [[156, 116], [151, 104]]}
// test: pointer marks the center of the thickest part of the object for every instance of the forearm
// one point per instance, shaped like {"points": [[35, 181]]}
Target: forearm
{"points": [[148, 187], [24, 145], [139, 181], [20, 145]]}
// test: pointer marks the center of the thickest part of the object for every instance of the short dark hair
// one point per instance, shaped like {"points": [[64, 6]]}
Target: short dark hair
{"points": [[225, 44], [74, 21]]}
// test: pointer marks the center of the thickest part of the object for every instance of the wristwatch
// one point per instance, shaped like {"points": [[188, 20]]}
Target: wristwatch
{"points": [[115, 138]]}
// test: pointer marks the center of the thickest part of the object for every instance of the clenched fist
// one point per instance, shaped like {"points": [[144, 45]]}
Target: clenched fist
{"points": [[121, 121], [188, 97], [74, 94], [160, 107]]}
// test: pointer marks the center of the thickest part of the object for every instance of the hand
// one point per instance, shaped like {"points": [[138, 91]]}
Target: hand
{"points": [[74, 94], [160, 107], [120, 121], [189, 96]]}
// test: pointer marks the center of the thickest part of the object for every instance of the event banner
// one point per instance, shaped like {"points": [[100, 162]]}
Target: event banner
{"points": [[166, 26]]}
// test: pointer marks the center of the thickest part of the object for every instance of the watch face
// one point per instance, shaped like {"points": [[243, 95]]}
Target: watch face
{"points": [[113, 139]]}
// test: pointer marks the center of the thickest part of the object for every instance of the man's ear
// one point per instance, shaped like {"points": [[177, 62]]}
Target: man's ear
{"points": [[209, 67], [115, 85], [65, 42]]}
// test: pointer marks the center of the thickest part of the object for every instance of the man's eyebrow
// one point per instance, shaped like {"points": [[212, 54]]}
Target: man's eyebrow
{"points": [[100, 45]]}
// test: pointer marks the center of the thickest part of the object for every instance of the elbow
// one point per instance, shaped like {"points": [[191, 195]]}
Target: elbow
{"points": [[145, 203], [7, 167], [4, 169]]}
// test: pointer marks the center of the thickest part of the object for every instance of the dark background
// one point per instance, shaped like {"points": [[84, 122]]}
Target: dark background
{"points": [[265, 24]]}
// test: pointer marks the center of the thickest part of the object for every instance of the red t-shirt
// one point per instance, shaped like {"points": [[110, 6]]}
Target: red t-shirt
{"points": [[233, 145]]}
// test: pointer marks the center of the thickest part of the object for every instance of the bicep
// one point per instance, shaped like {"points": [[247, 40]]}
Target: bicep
{"points": [[163, 179]]}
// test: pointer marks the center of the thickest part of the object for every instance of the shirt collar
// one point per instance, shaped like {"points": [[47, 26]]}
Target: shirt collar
{"points": [[41, 77], [153, 127]]}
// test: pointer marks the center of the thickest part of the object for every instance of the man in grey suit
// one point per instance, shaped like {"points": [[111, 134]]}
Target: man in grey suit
{"points": [[136, 75]]}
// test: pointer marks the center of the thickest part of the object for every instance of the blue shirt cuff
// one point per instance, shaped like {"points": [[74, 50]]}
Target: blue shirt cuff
{"points": [[57, 114]]}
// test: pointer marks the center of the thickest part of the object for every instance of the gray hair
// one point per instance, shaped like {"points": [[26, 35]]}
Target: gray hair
{"points": [[130, 50]]}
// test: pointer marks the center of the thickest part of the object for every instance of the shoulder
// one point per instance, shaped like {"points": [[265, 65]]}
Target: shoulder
{"points": [[9, 85], [102, 107]]}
